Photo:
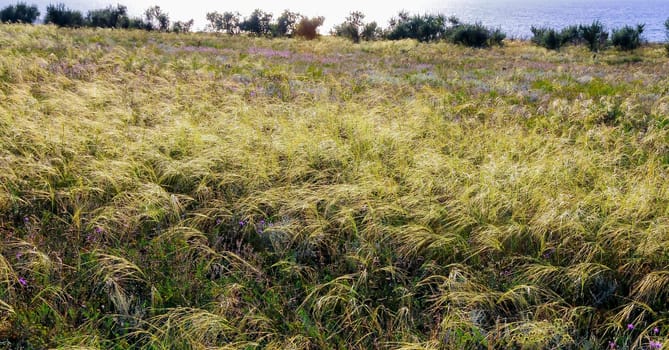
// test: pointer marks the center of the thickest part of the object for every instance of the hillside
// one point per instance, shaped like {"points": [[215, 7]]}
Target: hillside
{"points": [[197, 191]]}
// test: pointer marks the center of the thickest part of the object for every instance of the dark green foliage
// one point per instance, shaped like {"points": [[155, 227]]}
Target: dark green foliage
{"points": [[308, 27], [594, 35], [227, 22], [666, 31], [476, 35], [286, 23], [258, 23], [352, 27], [63, 17], [19, 13], [570, 35], [627, 38], [423, 28], [110, 17], [546, 37], [371, 31]]}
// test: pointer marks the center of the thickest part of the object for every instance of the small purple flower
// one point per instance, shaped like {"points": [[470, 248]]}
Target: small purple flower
{"points": [[612, 345], [656, 330], [630, 327], [98, 229], [19, 255], [26, 219], [242, 223], [23, 281], [219, 221], [655, 344]]}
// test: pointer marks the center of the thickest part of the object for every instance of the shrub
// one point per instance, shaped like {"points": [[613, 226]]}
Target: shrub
{"points": [[286, 23], [351, 28], [307, 28], [570, 35], [548, 38], [19, 13], [594, 35], [422, 28], [666, 33], [62, 16], [627, 38], [475, 35], [182, 26], [226, 22], [371, 31], [110, 17]]}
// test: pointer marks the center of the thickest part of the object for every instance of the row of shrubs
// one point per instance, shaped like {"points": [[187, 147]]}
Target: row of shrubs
{"points": [[424, 28], [594, 36], [110, 17]]}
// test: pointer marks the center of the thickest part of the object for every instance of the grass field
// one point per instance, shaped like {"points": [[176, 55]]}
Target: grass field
{"points": [[166, 191]]}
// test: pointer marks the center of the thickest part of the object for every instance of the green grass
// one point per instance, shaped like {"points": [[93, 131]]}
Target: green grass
{"points": [[166, 191]]}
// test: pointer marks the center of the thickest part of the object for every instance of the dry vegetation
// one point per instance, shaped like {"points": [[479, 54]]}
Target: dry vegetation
{"points": [[160, 191]]}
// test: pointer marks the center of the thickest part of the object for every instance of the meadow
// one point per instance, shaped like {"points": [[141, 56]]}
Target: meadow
{"points": [[200, 191]]}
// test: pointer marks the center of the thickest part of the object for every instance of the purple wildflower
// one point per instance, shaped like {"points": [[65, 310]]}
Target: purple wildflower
{"points": [[98, 229], [26, 219], [219, 221], [630, 327], [655, 344], [23, 281], [656, 330], [612, 345], [242, 223], [19, 255]]}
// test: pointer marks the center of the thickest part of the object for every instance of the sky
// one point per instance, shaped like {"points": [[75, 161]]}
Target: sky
{"points": [[333, 11]]}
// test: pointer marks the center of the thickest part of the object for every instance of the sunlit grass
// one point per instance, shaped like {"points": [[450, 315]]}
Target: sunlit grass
{"points": [[167, 191]]}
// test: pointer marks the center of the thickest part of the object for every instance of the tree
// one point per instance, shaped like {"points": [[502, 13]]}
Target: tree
{"points": [[62, 16], [156, 19], [666, 33], [307, 28], [19, 13]]}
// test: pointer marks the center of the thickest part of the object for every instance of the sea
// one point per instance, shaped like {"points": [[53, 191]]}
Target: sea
{"points": [[516, 17]]}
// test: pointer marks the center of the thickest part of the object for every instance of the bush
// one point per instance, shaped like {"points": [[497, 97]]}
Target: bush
{"points": [[666, 33], [63, 17], [307, 28], [371, 31], [19, 13], [627, 38], [594, 35], [110, 17], [548, 38], [286, 23], [259, 23], [351, 28], [422, 28], [475, 35], [182, 26]]}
